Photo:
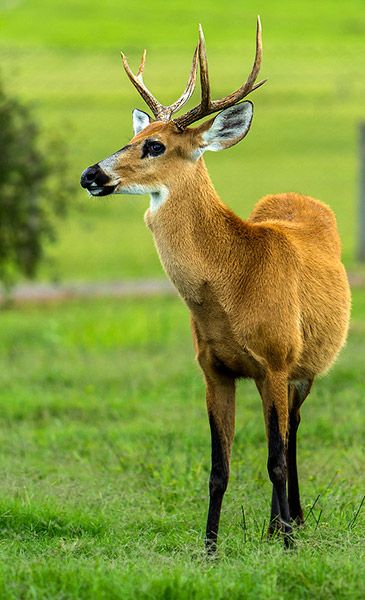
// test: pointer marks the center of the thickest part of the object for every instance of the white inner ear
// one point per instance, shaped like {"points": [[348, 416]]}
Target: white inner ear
{"points": [[229, 127], [140, 120]]}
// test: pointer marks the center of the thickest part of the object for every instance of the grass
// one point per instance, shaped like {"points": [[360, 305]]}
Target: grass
{"points": [[105, 462], [304, 136]]}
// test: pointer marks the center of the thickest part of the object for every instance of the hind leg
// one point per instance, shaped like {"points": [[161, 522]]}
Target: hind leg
{"points": [[275, 524], [274, 393], [297, 394]]}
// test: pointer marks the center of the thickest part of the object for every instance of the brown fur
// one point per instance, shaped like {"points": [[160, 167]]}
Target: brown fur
{"points": [[269, 297]]}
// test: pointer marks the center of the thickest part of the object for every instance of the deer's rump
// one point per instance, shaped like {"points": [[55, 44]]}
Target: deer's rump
{"points": [[303, 219], [320, 292]]}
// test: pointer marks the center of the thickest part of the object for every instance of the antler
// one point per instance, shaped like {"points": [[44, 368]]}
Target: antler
{"points": [[208, 106], [161, 112]]}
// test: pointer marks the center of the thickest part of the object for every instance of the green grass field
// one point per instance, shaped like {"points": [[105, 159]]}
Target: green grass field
{"points": [[304, 136], [105, 461]]}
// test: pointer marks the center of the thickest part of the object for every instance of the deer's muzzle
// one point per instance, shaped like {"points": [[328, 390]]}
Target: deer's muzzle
{"points": [[96, 181]]}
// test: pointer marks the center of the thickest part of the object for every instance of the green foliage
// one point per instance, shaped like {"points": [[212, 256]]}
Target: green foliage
{"points": [[105, 462], [34, 190]]}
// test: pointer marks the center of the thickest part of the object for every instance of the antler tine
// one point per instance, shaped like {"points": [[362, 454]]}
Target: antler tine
{"points": [[158, 109], [141, 66], [207, 106], [190, 86], [247, 87], [204, 76]]}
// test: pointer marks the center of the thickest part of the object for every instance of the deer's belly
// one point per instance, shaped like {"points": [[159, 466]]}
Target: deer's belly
{"points": [[216, 340]]}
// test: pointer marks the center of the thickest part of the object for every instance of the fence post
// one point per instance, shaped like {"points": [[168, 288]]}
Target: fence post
{"points": [[361, 248]]}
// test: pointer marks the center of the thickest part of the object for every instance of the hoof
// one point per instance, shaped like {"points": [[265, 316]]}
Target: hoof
{"points": [[280, 528], [211, 547], [288, 535], [298, 521], [275, 528]]}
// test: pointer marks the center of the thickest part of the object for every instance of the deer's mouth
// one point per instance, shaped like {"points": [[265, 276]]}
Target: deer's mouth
{"points": [[100, 190]]}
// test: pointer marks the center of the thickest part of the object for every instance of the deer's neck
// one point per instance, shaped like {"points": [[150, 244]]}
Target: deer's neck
{"points": [[195, 233]]}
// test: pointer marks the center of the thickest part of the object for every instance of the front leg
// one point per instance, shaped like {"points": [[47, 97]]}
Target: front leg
{"points": [[220, 395], [274, 524]]}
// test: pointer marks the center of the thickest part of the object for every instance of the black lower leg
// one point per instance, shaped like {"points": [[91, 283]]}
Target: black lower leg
{"points": [[274, 524], [217, 485], [278, 472], [295, 509]]}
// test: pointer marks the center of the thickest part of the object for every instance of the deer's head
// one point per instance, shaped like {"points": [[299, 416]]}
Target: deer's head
{"points": [[165, 148]]}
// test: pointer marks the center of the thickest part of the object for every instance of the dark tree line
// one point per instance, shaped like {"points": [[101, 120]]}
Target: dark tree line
{"points": [[34, 190]]}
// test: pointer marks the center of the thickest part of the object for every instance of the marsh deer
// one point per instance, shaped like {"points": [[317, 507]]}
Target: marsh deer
{"points": [[268, 296]]}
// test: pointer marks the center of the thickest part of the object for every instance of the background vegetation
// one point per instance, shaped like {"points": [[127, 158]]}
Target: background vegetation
{"points": [[104, 438], [304, 136], [27, 219]]}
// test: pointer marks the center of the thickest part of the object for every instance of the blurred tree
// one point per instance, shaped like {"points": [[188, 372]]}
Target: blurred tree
{"points": [[34, 190]]}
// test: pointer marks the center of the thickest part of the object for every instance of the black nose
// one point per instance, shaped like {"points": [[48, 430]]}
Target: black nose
{"points": [[93, 174]]}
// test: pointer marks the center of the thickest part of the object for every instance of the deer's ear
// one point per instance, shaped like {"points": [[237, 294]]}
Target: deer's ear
{"points": [[228, 128], [140, 120]]}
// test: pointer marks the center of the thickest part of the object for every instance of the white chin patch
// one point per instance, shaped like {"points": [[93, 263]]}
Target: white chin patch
{"points": [[158, 195]]}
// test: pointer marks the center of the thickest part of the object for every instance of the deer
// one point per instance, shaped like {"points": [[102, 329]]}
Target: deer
{"points": [[268, 296]]}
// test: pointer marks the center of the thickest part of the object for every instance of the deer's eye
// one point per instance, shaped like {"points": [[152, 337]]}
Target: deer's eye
{"points": [[156, 148], [152, 148]]}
